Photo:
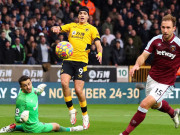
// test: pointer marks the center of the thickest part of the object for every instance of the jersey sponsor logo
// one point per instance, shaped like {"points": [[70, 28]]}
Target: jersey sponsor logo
{"points": [[78, 34], [164, 53], [173, 48]]}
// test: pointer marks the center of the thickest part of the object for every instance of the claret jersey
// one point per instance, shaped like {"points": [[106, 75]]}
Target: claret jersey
{"points": [[166, 59], [81, 37]]}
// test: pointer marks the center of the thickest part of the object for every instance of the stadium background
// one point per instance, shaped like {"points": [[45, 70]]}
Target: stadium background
{"points": [[107, 84]]}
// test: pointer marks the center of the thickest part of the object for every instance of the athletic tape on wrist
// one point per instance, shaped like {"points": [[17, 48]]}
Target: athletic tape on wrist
{"points": [[99, 54]]}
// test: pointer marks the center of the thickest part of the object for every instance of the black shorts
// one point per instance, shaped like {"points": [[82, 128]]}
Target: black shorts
{"points": [[77, 70]]}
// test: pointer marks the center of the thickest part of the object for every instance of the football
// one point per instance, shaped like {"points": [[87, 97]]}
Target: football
{"points": [[64, 50]]}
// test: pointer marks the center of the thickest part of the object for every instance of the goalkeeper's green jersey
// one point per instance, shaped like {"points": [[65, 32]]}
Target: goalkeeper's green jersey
{"points": [[27, 101]]}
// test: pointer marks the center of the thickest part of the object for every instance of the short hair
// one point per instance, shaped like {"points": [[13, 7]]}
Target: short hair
{"points": [[171, 18], [23, 78], [84, 8]]}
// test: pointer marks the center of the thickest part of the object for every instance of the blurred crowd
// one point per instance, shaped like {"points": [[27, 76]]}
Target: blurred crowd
{"points": [[125, 27]]}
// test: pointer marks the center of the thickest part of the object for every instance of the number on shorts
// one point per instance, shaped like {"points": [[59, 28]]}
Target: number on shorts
{"points": [[159, 92], [80, 71]]}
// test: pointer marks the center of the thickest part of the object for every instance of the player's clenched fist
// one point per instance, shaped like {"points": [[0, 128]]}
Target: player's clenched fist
{"points": [[56, 29], [25, 116]]}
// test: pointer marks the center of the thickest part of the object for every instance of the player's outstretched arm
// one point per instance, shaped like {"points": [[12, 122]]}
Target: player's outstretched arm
{"points": [[139, 62], [99, 50]]}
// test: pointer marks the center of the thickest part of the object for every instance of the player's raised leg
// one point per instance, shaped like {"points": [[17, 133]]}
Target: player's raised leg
{"points": [[140, 114], [166, 108], [163, 105], [79, 84], [65, 78]]}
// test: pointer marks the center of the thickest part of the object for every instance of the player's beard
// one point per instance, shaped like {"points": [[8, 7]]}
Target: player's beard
{"points": [[167, 36]]}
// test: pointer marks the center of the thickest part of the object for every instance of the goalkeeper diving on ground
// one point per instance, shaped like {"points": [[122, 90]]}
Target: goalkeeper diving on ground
{"points": [[27, 111]]}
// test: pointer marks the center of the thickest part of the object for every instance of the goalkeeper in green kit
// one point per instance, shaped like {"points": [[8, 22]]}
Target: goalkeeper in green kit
{"points": [[27, 111]]}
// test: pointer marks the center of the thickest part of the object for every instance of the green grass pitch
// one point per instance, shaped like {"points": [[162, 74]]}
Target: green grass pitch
{"points": [[104, 119]]}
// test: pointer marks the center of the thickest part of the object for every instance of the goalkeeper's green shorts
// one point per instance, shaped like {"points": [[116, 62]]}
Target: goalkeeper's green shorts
{"points": [[40, 128]]}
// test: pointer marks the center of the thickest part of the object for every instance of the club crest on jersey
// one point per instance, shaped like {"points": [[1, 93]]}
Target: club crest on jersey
{"points": [[173, 48]]}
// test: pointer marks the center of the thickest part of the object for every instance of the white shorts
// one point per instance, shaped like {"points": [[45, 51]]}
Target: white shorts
{"points": [[158, 90]]}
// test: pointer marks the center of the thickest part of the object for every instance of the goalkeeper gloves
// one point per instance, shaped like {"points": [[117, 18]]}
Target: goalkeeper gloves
{"points": [[24, 116], [40, 87]]}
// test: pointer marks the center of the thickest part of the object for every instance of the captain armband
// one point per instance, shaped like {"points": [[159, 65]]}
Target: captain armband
{"points": [[96, 39]]}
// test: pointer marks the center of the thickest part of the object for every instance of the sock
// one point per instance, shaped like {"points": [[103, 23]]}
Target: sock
{"points": [[166, 108], [83, 107], [136, 120], [64, 129], [69, 102], [18, 128]]}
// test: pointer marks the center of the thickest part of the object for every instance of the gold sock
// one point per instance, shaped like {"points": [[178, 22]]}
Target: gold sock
{"points": [[69, 102], [83, 106]]}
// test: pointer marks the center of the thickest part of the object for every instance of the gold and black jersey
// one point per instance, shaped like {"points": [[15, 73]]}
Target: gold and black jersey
{"points": [[81, 37]]}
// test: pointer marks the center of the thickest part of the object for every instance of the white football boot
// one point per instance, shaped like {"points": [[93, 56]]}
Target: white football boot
{"points": [[72, 114], [176, 117], [77, 128], [120, 134], [86, 123], [9, 128]]}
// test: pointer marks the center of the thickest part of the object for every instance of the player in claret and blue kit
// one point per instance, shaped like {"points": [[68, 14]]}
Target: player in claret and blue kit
{"points": [[27, 111], [161, 78]]}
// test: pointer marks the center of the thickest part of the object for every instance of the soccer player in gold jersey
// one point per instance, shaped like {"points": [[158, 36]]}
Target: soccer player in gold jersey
{"points": [[81, 36]]}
